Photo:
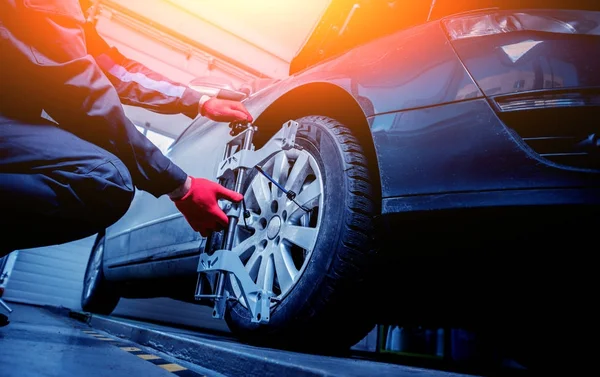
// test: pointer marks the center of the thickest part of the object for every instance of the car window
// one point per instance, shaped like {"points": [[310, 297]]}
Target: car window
{"points": [[372, 19], [349, 24]]}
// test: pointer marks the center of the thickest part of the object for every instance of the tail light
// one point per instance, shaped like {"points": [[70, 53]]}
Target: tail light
{"points": [[498, 22], [539, 69], [562, 126], [549, 99]]}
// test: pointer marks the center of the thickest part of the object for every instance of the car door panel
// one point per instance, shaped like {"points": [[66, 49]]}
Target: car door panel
{"points": [[153, 228]]}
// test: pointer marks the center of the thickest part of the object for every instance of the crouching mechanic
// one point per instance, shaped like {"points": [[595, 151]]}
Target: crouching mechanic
{"points": [[70, 178]]}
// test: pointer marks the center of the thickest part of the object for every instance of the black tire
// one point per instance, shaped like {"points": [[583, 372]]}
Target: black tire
{"points": [[102, 298], [328, 310]]}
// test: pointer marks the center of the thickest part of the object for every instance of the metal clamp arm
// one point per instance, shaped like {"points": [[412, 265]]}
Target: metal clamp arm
{"points": [[284, 139], [257, 299], [224, 264]]}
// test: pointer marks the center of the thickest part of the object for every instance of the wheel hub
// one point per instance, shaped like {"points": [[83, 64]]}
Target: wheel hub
{"points": [[274, 227]]}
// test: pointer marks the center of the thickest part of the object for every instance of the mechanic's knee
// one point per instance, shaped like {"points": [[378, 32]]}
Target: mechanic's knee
{"points": [[107, 192]]}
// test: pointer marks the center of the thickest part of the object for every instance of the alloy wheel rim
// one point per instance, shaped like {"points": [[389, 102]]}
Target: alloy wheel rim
{"points": [[277, 240]]}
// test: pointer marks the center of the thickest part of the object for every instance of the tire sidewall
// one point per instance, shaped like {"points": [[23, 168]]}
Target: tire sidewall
{"points": [[320, 142]]}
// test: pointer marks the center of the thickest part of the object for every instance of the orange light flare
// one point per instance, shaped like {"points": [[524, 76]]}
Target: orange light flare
{"points": [[349, 23]]}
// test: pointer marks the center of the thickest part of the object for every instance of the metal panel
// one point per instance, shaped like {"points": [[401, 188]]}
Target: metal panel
{"points": [[50, 275]]}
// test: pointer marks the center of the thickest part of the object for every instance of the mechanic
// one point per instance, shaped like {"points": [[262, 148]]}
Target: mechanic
{"points": [[71, 174]]}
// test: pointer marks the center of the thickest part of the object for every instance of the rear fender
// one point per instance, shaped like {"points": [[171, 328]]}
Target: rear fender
{"points": [[325, 99]]}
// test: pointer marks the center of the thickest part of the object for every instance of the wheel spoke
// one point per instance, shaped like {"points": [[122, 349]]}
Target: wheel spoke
{"points": [[284, 268], [243, 248], [308, 198], [262, 194], [266, 273], [280, 171], [253, 263], [300, 236], [298, 173]]}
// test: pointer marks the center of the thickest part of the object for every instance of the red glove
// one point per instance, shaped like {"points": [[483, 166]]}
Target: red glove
{"points": [[200, 208], [222, 110]]}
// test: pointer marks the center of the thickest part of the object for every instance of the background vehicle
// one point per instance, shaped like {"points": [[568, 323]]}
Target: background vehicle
{"points": [[445, 157]]}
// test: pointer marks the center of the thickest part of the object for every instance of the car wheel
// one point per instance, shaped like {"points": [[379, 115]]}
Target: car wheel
{"points": [[315, 262], [98, 295]]}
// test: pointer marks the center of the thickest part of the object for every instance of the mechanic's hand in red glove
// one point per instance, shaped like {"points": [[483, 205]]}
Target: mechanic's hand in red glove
{"points": [[199, 204], [223, 110]]}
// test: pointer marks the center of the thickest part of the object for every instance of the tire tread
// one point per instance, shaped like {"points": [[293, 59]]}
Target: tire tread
{"points": [[342, 290]]}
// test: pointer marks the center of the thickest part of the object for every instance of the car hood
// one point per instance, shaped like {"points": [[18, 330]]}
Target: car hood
{"points": [[345, 24]]}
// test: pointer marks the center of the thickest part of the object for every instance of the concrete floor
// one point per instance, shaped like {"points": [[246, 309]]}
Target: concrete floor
{"points": [[39, 343]]}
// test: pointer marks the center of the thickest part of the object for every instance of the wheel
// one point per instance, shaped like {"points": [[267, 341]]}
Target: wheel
{"points": [[98, 295], [314, 254]]}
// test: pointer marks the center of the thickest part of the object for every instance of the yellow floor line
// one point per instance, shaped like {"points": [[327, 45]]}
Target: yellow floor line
{"points": [[167, 367], [148, 357], [172, 367]]}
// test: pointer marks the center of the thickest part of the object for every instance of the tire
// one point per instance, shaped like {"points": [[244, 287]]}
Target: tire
{"points": [[98, 295], [327, 308]]}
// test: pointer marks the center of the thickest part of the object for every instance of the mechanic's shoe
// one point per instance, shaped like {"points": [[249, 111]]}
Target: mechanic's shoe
{"points": [[3, 320]]}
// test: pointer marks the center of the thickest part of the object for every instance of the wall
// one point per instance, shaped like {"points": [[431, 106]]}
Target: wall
{"points": [[50, 275], [278, 27]]}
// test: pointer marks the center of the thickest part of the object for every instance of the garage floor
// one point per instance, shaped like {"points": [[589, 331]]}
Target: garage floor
{"points": [[39, 343], [48, 342]]}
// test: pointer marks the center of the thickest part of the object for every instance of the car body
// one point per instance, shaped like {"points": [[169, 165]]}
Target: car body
{"points": [[465, 120]]}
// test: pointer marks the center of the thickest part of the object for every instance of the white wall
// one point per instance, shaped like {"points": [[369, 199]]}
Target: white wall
{"points": [[278, 26], [160, 52], [204, 31], [50, 275]]}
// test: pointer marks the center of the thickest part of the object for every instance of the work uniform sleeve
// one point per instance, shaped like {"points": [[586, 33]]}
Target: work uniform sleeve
{"points": [[76, 93], [138, 85]]}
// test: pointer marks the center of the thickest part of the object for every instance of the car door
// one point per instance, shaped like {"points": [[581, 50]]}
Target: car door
{"points": [[153, 228]]}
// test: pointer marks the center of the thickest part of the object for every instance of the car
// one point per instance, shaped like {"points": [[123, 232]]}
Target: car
{"points": [[444, 150]]}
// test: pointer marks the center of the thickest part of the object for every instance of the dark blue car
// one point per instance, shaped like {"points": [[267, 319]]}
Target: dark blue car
{"points": [[445, 170]]}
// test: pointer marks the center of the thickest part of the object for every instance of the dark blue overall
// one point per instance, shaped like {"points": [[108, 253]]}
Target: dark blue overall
{"points": [[71, 178]]}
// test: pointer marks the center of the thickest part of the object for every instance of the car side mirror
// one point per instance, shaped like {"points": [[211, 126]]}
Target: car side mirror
{"points": [[218, 87]]}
